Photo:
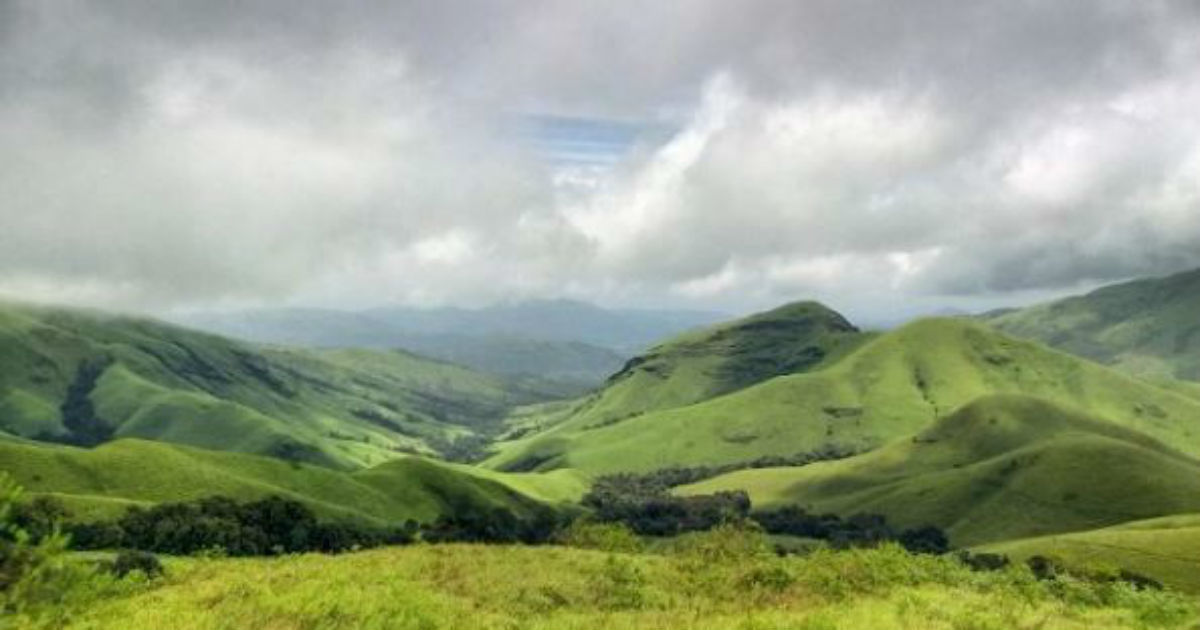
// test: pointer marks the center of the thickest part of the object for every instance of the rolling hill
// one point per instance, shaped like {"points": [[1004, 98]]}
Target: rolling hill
{"points": [[1003, 467], [705, 364], [1146, 327], [101, 482], [888, 387], [84, 378], [1166, 549]]}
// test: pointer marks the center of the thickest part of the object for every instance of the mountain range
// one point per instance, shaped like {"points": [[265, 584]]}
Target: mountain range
{"points": [[574, 342], [1070, 423]]}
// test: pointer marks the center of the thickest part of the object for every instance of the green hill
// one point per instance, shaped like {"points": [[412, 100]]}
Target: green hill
{"points": [[705, 364], [1166, 549], [1002, 467], [103, 481], [85, 377], [892, 386], [1146, 327]]}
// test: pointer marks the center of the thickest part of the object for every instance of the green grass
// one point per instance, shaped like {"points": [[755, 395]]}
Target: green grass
{"points": [[698, 366], [340, 408], [1001, 468], [1167, 549], [891, 387], [102, 482], [1146, 327], [556, 588]]}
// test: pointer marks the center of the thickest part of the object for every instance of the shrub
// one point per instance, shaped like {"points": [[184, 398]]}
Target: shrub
{"points": [[611, 537], [144, 562], [40, 586], [620, 584]]}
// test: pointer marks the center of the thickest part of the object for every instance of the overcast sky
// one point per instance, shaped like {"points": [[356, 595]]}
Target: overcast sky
{"points": [[883, 156]]}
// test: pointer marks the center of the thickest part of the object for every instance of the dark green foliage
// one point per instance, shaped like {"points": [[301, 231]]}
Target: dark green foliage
{"points": [[130, 561], [39, 517], [495, 526], [643, 503], [267, 527], [860, 530], [984, 561], [1045, 568], [925, 540], [78, 414]]}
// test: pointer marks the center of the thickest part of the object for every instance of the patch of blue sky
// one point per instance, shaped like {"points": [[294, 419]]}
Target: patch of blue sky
{"points": [[570, 141]]}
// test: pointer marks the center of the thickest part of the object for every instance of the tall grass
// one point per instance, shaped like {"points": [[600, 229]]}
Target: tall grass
{"points": [[723, 579]]}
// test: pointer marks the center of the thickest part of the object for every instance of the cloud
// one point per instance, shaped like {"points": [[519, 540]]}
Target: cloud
{"points": [[860, 151]]}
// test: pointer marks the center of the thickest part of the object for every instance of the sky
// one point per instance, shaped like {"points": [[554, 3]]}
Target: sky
{"points": [[887, 158]]}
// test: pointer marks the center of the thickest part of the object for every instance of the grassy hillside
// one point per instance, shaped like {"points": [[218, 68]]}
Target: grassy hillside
{"points": [[1147, 327], [1002, 467], [704, 364], [890, 387], [1167, 549], [543, 588], [101, 482], [83, 377]]}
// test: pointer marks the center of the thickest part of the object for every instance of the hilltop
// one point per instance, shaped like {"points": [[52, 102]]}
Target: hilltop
{"points": [[709, 363], [83, 377], [1003, 467], [888, 387], [1146, 327]]}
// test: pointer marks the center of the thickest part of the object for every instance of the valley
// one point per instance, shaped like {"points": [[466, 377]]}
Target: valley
{"points": [[1000, 444]]}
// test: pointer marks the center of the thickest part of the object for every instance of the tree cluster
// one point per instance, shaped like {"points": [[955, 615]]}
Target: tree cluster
{"points": [[644, 504], [266, 527], [860, 530]]}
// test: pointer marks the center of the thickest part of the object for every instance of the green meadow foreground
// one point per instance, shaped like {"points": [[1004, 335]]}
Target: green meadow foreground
{"points": [[722, 580]]}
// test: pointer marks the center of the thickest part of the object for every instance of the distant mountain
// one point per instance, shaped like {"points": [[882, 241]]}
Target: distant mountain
{"points": [[569, 341], [862, 394], [84, 378], [625, 330], [1002, 467], [1147, 327]]}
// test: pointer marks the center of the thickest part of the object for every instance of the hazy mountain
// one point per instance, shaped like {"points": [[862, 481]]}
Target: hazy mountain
{"points": [[559, 339]]}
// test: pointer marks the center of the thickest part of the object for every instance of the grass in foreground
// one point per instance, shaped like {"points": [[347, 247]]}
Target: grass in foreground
{"points": [[721, 580]]}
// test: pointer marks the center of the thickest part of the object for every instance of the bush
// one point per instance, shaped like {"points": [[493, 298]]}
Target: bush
{"points": [[620, 584], [40, 586], [143, 562], [611, 537]]}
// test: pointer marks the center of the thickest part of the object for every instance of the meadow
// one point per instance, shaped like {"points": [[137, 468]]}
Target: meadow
{"points": [[721, 580]]}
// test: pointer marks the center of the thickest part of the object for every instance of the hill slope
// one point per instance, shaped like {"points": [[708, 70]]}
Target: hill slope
{"points": [[890, 387], [1146, 327], [103, 481], [84, 378], [1002, 467], [1166, 549], [708, 363]]}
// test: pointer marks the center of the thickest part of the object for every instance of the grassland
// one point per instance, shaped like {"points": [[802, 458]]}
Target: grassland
{"points": [[703, 588], [1146, 327], [890, 387], [83, 377], [1003, 467], [1167, 549], [101, 482]]}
